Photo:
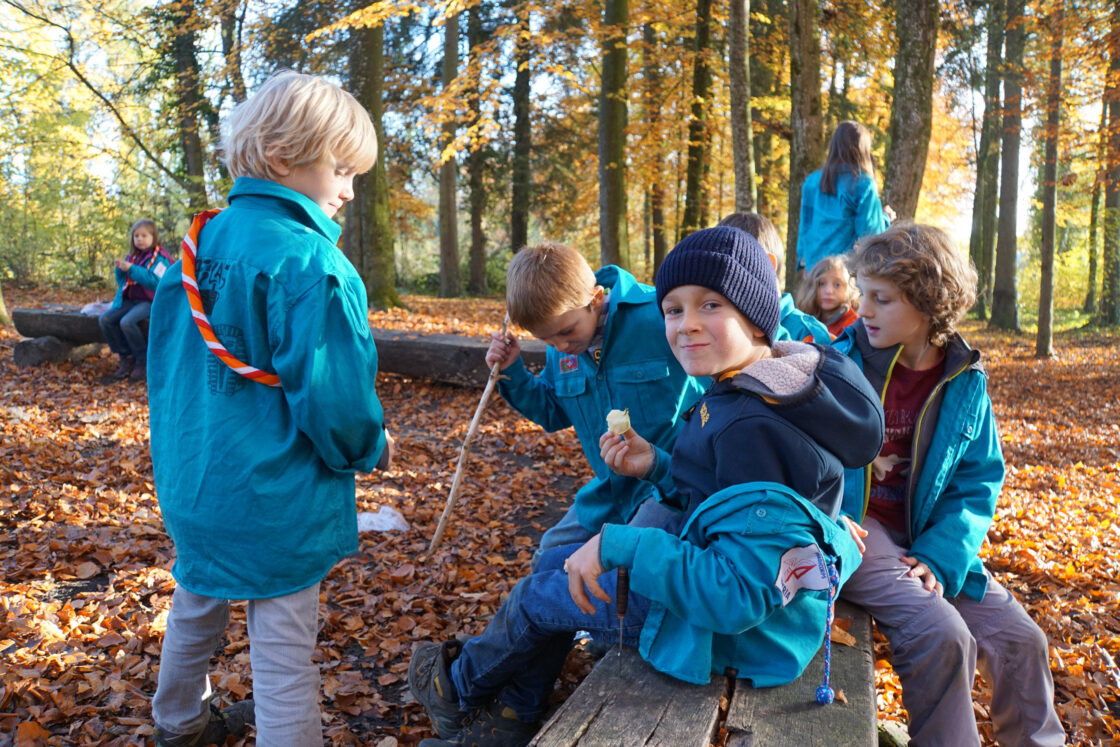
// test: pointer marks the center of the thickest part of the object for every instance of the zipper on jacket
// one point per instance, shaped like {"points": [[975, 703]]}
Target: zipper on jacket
{"points": [[911, 481]]}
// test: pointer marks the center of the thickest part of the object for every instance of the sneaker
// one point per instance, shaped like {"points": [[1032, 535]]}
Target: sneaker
{"points": [[224, 722], [139, 372], [125, 367], [496, 725], [429, 679]]}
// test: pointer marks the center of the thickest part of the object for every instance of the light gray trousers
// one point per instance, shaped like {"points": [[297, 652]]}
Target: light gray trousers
{"points": [[282, 633], [936, 644]]}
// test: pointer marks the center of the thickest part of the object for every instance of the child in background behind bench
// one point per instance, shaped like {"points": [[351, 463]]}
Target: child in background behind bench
{"points": [[927, 501], [829, 294], [795, 324], [606, 350], [138, 276], [758, 471], [254, 466]]}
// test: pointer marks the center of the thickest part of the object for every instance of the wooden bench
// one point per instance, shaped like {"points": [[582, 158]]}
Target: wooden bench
{"points": [[56, 333], [637, 705]]}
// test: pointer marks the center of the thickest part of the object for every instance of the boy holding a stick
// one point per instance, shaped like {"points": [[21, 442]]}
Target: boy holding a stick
{"points": [[606, 351]]}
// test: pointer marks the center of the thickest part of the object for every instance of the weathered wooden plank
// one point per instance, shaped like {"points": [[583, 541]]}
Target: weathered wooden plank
{"points": [[790, 714], [637, 706], [450, 359]]}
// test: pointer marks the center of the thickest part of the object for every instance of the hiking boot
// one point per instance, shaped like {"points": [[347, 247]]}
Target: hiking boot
{"points": [[224, 722], [139, 372], [496, 725], [429, 679], [125, 367]]}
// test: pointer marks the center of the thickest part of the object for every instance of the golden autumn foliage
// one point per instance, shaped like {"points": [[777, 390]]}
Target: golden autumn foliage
{"points": [[85, 562]]}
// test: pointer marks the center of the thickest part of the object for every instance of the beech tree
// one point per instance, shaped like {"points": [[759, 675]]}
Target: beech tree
{"points": [[614, 241], [1110, 290], [1044, 344], [742, 137], [916, 24], [806, 151], [981, 246], [1005, 294], [522, 132], [450, 284]]}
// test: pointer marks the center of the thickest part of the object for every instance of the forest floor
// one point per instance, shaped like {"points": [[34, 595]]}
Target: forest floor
{"points": [[84, 562]]}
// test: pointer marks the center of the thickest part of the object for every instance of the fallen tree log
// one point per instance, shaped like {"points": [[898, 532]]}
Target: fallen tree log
{"points": [[451, 359]]}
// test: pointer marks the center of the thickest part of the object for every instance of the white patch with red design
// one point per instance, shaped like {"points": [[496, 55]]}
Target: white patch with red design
{"points": [[801, 568]]}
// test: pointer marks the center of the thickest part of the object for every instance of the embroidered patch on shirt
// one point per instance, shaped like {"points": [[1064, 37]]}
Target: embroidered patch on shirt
{"points": [[568, 364], [703, 414], [160, 269], [597, 354], [801, 568]]}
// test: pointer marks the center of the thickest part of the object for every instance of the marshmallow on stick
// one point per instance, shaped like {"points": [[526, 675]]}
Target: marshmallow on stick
{"points": [[618, 421]]}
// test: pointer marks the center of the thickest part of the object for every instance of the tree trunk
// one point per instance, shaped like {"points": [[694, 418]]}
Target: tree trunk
{"points": [[742, 137], [232, 23], [1005, 294], [1110, 290], [450, 284], [762, 80], [698, 121], [916, 23], [1089, 308], [476, 161], [522, 135], [1044, 345], [653, 113], [189, 100], [368, 240], [981, 245], [806, 150], [614, 239]]}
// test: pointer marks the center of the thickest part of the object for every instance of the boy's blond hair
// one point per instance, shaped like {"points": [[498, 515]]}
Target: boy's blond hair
{"points": [[299, 120], [762, 229], [546, 280], [925, 266], [806, 297]]}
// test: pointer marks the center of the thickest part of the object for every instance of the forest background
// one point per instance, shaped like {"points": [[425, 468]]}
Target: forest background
{"points": [[615, 126]]}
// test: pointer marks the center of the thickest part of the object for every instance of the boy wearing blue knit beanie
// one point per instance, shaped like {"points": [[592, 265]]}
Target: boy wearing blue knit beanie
{"points": [[756, 473]]}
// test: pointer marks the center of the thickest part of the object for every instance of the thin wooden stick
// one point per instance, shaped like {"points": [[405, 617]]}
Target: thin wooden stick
{"points": [[449, 508]]}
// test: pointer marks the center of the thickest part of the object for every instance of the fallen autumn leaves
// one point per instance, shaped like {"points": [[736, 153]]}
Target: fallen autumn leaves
{"points": [[85, 561]]}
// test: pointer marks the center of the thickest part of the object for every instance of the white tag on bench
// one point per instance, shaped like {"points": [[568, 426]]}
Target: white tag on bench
{"points": [[801, 568]]}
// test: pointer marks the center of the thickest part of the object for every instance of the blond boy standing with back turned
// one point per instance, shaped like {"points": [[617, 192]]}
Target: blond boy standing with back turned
{"points": [[255, 444]]}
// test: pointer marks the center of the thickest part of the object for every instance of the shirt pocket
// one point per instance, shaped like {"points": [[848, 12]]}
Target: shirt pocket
{"points": [[571, 391], [647, 390]]}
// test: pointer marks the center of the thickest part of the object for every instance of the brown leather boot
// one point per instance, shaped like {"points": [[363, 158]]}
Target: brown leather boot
{"points": [[125, 368]]}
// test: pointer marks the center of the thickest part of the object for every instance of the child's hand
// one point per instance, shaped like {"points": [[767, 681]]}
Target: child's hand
{"points": [[857, 533], [890, 213], [503, 351], [921, 571], [122, 264], [583, 569], [628, 454]]}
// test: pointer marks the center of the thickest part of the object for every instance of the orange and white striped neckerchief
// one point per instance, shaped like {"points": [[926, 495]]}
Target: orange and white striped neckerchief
{"points": [[156, 250], [190, 284]]}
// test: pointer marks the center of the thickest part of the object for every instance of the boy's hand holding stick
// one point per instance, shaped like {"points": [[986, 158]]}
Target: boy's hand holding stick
{"points": [[491, 382]]}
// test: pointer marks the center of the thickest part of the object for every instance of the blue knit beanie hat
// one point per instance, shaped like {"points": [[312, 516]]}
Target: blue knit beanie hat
{"points": [[732, 263]]}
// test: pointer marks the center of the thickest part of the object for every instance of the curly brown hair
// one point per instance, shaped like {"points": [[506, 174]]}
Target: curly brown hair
{"points": [[925, 266]]}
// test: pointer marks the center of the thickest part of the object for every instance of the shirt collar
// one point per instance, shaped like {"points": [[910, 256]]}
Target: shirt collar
{"points": [[299, 206]]}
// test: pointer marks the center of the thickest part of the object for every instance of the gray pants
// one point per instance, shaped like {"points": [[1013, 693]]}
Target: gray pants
{"points": [[282, 633], [936, 644]]}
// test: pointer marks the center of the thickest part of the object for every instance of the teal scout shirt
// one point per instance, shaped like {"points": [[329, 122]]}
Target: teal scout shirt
{"points": [[256, 483], [636, 372]]}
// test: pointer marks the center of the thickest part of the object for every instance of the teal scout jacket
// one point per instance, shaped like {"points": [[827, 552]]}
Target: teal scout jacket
{"points": [[745, 586], [957, 465], [256, 483], [637, 372], [798, 326], [830, 224], [148, 275]]}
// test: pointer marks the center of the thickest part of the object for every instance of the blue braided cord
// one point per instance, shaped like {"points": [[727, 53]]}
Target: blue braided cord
{"points": [[825, 694]]}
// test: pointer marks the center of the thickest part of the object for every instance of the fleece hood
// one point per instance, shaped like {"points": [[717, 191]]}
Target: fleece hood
{"points": [[822, 393]]}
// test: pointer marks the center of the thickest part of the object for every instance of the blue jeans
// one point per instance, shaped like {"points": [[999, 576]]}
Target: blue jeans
{"points": [[520, 654], [121, 327]]}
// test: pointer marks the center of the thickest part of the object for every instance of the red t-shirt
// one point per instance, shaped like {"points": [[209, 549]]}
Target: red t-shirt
{"points": [[907, 392]]}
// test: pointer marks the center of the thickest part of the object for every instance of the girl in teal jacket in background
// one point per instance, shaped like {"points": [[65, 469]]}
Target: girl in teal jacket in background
{"points": [[839, 202]]}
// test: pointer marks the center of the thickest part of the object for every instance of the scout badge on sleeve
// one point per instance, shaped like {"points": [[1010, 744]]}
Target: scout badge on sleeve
{"points": [[190, 285], [808, 568]]}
